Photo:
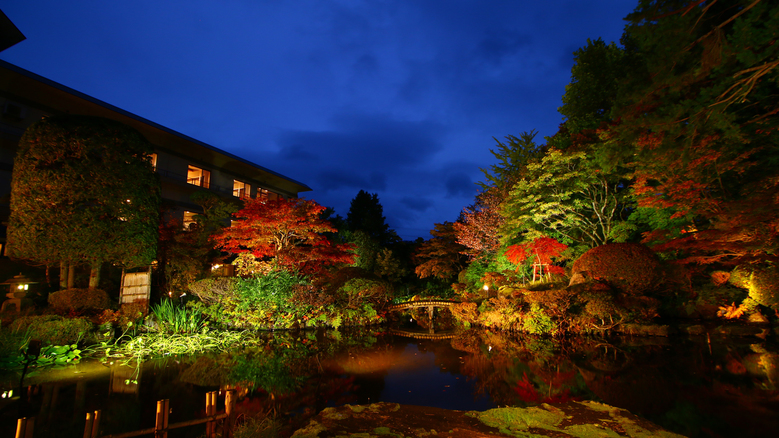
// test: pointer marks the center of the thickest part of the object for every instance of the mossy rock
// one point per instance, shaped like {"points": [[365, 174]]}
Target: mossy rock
{"points": [[629, 267], [80, 300]]}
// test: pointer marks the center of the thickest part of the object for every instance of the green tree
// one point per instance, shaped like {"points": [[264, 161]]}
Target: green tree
{"points": [[564, 196], [84, 193], [697, 122], [366, 214]]}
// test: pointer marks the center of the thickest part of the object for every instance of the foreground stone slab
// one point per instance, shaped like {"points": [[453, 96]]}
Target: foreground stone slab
{"points": [[574, 419]]}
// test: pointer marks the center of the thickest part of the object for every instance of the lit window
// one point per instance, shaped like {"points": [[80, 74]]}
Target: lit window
{"points": [[199, 177], [189, 219], [153, 159], [266, 195], [241, 189]]}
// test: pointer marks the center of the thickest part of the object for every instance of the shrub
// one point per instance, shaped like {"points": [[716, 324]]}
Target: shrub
{"points": [[537, 322], [501, 313], [53, 329], [359, 291], [80, 300], [466, 313], [629, 267], [762, 282], [214, 290]]}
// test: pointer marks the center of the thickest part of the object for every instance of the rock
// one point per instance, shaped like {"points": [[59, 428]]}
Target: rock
{"points": [[577, 419]]}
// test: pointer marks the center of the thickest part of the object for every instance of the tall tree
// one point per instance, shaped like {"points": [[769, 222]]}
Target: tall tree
{"points": [[699, 117], [563, 196], [288, 232], [440, 256], [366, 214], [84, 193]]}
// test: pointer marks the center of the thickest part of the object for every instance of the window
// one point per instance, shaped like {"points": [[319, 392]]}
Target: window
{"points": [[266, 195], [189, 219], [199, 177], [241, 189], [153, 159]]}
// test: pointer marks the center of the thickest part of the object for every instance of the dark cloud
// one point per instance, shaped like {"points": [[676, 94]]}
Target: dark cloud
{"points": [[417, 203], [460, 185]]}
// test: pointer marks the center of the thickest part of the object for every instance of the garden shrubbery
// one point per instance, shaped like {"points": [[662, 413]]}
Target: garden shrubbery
{"points": [[629, 267], [53, 329], [80, 300]]}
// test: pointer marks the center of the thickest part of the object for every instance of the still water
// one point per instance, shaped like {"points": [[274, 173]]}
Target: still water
{"points": [[695, 387]]}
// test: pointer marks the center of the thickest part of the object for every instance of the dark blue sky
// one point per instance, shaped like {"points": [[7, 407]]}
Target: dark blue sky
{"points": [[398, 97]]}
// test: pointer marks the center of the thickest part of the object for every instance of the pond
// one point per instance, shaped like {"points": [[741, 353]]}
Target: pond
{"points": [[692, 386]]}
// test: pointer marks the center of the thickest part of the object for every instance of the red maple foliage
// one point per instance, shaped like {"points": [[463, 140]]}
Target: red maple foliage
{"points": [[287, 231], [478, 231], [542, 249]]}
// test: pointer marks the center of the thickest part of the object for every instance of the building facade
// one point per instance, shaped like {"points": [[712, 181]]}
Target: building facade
{"points": [[185, 165]]}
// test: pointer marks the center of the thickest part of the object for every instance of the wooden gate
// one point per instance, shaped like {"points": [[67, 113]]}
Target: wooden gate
{"points": [[136, 286]]}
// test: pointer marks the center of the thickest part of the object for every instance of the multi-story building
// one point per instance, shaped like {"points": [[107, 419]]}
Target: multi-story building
{"points": [[185, 165]]}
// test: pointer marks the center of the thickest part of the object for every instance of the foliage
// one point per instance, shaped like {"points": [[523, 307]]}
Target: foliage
{"points": [[258, 427], [358, 291], [367, 215], [478, 229], [389, 267], [762, 282], [159, 344], [288, 231], [632, 268], [537, 322], [566, 197], [186, 255], [175, 319], [53, 329], [440, 256], [465, 313], [513, 159], [80, 300], [214, 290], [84, 192], [365, 249], [697, 122], [501, 312], [595, 78], [540, 251]]}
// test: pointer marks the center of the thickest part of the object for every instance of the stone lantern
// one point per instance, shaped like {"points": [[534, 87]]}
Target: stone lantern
{"points": [[17, 297]]}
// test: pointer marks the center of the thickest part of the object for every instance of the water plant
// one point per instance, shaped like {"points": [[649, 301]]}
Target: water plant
{"points": [[175, 319]]}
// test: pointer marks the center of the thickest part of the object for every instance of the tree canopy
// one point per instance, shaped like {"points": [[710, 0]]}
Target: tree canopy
{"points": [[84, 192], [287, 232]]}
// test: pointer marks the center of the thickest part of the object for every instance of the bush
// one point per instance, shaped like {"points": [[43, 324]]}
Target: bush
{"points": [[214, 290], [762, 282], [80, 300], [537, 322], [632, 268], [359, 291], [53, 329]]}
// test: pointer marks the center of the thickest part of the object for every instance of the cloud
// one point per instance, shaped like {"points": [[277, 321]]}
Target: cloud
{"points": [[417, 203]]}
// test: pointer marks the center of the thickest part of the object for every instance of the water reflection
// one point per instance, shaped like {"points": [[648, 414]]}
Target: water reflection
{"points": [[688, 386]]}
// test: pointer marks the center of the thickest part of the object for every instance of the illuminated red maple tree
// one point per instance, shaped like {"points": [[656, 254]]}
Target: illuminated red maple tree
{"points": [[288, 232], [542, 250]]}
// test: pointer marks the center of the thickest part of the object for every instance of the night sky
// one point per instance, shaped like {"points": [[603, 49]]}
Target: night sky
{"points": [[399, 98]]}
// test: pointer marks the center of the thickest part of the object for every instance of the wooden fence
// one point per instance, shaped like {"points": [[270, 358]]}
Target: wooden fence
{"points": [[226, 419], [136, 286]]}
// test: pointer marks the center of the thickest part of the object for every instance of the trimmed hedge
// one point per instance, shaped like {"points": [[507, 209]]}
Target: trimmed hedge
{"points": [[80, 300], [53, 329], [630, 267]]}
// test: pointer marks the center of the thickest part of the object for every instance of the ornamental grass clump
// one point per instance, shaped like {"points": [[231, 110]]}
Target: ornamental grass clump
{"points": [[175, 319]]}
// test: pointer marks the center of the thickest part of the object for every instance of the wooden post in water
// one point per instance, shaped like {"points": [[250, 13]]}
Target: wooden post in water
{"points": [[210, 411], [24, 427], [161, 424], [230, 400], [92, 426]]}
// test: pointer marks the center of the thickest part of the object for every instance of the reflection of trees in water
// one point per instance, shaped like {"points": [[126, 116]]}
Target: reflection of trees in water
{"points": [[518, 370]]}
